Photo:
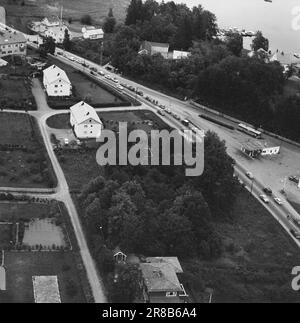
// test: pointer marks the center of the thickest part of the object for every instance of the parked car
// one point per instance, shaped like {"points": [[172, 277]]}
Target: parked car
{"points": [[249, 175], [161, 113], [139, 92], [66, 141], [264, 198], [168, 111], [93, 69], [71, 58], [115, 80], [268, 191], [278, 200], [131, 88], [93, 73], [120, 87], [107, 77], [101, 73], [294, 179]]}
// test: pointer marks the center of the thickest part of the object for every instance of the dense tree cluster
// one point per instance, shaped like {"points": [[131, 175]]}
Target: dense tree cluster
{"points": [[169, 22], [160, 211]]}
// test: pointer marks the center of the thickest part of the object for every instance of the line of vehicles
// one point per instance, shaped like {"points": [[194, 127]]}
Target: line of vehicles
{"points": [[265, 198]]}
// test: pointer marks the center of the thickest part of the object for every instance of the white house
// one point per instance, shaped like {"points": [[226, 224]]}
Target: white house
{"points": [[56, 82], [85, 121], [90, 32], [50, 21], [57, 33], [179, 54]]}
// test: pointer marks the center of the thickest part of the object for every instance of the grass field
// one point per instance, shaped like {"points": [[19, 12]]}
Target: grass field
{"points": [[19, 16], [81, 168], [6, 235], [21, 266], [257, 261], [26, 167]]}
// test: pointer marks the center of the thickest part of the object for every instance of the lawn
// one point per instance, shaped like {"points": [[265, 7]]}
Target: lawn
{"points": [[257, 261], [65, 263], [21, 266], [6, 235], [81, 168], [26, 165], [19, 16], [15, 87], [10, 212]]}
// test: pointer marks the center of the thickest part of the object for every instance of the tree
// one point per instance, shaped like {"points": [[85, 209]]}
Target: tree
{"points": [[86, 20], [234, 42], [110, 22], [260, 41], [127, 287], [48, 46], [134, 12], [67, 44]]}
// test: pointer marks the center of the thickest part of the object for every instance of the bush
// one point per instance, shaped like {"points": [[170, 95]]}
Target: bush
{"points": [[86, 20]]}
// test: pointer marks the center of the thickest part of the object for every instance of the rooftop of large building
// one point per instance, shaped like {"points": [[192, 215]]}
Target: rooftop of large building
{"points": [[7, 37]]}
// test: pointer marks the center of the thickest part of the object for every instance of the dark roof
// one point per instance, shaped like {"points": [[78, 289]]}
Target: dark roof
{"points": [[7, 37]]}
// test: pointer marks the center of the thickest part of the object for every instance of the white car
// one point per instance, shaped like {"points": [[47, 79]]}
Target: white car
{"points": [[66, 141], [278, 200], [250, 175], [120, 87], [107, 77], [71, 58], [264, 198]]}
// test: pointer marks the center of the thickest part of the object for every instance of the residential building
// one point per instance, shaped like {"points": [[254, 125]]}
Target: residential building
{"points": [[179, 54], [45, 289], [57, 33], [151, 48], [12, 43], [52, 21], [85, 121], [90, 32], [56, 82], [161, 280]]}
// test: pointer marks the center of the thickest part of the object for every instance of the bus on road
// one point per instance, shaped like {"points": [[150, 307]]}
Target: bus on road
{"points": [[249, 131]]}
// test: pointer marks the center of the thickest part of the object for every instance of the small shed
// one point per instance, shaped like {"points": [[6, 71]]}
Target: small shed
{"points": [[119, 255]]}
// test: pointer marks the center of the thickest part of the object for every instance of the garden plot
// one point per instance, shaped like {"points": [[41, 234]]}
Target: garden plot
{"points": [[45, 233]]}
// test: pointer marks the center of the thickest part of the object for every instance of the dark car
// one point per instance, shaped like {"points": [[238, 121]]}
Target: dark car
{"points": [[268, 191], [294, 179]]}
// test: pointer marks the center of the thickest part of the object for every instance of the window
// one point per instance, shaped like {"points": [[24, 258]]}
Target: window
{"points": [[56, 85], [171, 294]]}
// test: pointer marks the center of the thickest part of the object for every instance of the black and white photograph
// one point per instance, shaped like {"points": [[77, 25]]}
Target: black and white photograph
{"points": [[149, 154]]}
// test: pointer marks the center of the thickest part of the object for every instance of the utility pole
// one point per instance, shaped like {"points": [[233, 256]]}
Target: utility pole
{"points": [[101, 53]]}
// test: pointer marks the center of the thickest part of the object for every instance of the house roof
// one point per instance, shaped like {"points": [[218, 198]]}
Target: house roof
{"points": [[53, 19], [82, 111], [253, 145], [154, 44], [160, 277], [54, 73], [173, 261], [46, 289], [7, 37], [286, 59], [117, 251]]}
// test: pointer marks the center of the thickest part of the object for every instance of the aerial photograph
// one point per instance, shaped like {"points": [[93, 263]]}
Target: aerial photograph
{"points": [[149, 153]]}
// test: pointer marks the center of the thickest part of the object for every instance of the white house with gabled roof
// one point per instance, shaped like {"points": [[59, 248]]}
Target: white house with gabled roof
{"points": [[85, 121], [56, 82]]}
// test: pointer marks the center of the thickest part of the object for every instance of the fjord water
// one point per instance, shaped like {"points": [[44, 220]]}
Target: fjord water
{"points": [[273, 19]]}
